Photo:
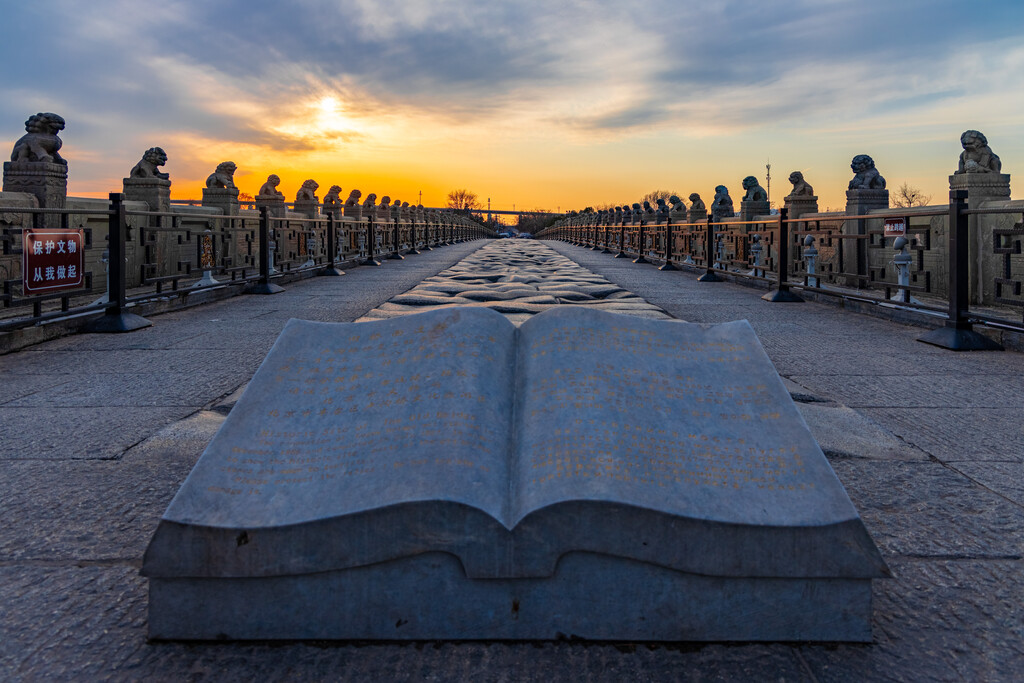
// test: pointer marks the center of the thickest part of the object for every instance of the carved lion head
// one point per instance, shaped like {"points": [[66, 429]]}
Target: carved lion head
{"points": [[973, 139], [155, 156], [862, 163]]}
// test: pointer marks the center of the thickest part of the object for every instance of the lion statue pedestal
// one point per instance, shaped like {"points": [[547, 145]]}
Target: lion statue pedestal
{"points": [[47, 182]]}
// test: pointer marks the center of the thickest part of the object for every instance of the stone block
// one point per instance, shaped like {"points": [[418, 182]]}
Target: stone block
{"points": [[154, 191], [46, 181], [224, 198], [589, 474]]}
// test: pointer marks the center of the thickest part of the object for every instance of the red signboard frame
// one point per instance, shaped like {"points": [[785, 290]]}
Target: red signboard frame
{"points": [[895, 227], [52, 260]]}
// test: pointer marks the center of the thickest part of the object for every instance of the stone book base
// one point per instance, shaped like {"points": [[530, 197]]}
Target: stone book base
{"points": [[448, 475]]}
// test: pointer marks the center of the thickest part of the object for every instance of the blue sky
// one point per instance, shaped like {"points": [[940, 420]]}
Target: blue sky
{"points": [[542, 104]]}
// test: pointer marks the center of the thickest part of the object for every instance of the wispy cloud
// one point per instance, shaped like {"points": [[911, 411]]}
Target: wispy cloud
{"points": [[324, 77]]}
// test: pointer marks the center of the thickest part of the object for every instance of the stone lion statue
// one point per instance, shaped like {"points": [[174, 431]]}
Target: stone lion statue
{"points": [[755, 193], [721, 205], [867, 176], [307, 193], [800, 186], [977, 156], [269, 188], [333, 197], [648, 209], [662, 209], [385, 202], [678, 206], [224, 176], [371, 201], [696, 203], [40, 141], [152, 159], [353, 198]]}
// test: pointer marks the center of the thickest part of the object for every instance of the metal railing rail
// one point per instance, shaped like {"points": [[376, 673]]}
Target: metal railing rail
{"points": [[178, 255], [783, 254]]}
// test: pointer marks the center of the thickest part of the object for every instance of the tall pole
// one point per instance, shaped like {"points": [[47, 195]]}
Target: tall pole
{"points": [[768, 179]]}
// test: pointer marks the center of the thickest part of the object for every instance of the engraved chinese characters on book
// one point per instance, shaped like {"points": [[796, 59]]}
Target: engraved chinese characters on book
{"points": [[460, 406]]}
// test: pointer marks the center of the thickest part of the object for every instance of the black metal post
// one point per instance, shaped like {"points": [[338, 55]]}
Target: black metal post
{"points": [[396, 253], [116, 318], [412, 238], [783, 293], [640, 244], [958, 332], [331, 268], [263, 285], [668, 246], [426, 237], [622, 239], [709, 254], [371, 240]]}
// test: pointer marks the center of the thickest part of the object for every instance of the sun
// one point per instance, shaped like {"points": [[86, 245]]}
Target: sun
{"points": [[328, 105]]}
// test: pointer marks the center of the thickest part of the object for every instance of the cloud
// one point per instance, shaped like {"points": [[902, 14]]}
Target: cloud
{"points": [[408, 72]]}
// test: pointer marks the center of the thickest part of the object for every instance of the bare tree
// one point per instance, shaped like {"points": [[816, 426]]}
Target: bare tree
{"points": [[655, 195], [906, 196], [463, 200]]}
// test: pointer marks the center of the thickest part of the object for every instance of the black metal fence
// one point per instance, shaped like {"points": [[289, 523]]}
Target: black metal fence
{"points": [[927, 269], [153, 255]]}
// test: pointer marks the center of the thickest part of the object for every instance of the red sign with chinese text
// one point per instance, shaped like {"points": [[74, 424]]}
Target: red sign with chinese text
{"points": [[52, 260], [895, 227]]}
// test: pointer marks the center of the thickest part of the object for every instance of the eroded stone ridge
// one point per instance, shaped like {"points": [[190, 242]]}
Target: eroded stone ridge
{"points": [[517, 278]]}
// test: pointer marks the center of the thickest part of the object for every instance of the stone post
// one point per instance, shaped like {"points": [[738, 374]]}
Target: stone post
{"points": [[865, 193], [981, 188], [36, 167], [751, 209], [145, 183], [755, 202], [307, 204], [798, 206], [698, 212], [223, 198], [47, 182]]}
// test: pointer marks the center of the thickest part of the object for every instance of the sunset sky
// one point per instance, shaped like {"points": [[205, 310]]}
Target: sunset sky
{"points": [[553, 105]]}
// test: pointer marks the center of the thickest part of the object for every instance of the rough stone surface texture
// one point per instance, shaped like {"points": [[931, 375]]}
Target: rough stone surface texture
{"points": [[517, 278], [928, 443]]}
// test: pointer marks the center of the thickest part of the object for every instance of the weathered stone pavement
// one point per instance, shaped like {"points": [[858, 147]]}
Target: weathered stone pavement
{"points": [[517, 278], [98, 432]]}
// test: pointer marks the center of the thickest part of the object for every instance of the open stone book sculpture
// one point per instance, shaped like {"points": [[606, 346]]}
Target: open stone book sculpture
{"points": [[450, 476]]}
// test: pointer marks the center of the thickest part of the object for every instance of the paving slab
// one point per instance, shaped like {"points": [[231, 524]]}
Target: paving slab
{"points": [[928, 443]]}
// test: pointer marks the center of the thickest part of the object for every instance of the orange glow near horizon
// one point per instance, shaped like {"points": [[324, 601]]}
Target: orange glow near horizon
{"points": [[522, 162]]}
